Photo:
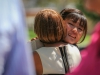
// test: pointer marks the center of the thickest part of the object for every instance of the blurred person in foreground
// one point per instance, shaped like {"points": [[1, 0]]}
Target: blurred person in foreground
{"points": [[90, 64], [15, 54]]}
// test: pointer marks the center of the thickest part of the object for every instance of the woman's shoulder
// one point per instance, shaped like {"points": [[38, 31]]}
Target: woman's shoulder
{"points": [[73, 49], [75, 54], [46, 50], [36, 44], [72, 46]]}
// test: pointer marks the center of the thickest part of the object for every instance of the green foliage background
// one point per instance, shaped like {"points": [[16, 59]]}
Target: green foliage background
{"points": [[89, 14], [31, 34]]}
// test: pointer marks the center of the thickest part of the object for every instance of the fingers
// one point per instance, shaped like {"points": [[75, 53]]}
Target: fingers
{"points": [[34, 38]]}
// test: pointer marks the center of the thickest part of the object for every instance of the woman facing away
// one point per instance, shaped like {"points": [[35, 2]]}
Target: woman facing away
{"points": [[76, 24], [56, 56]]}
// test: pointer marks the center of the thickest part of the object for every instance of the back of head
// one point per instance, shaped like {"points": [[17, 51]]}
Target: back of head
{"points": [[75, 14], [49, 26]]}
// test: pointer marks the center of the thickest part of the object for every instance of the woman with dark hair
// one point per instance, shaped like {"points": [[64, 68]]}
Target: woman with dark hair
{"points": [[90, 64], [76, 25]]}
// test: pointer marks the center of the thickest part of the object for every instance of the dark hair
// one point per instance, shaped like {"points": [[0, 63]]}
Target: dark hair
{"points": [[49, 26], [75, 14]]}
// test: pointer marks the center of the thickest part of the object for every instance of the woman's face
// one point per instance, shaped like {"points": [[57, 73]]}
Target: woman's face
{"points": [[74, 31]]}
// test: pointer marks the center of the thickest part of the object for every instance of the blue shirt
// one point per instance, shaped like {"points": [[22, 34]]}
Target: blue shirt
{"points": [[15, 53]]}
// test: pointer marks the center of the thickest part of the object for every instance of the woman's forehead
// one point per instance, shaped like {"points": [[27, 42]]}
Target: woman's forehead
{"points": [[74, 20], [78, 22]]}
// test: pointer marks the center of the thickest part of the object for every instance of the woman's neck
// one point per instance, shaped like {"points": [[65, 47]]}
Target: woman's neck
{"points": [[54, 44]]}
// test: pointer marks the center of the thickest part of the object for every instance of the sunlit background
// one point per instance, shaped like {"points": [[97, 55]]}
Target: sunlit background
{"points": [[33, 6]]}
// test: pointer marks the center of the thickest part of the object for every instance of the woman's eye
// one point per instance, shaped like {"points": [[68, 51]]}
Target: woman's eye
{"points": [[80, 29], [70, 24]]}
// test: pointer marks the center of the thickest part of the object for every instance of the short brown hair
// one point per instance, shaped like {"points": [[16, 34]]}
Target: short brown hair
{"points": [[49, 26]]}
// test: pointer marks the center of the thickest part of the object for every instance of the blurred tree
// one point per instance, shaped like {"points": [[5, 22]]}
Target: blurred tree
{"points": [[58, 4], [89, 14], [54, 4], [29, 3]]}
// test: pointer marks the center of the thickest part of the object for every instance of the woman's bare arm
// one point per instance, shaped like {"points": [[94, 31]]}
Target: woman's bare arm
{"points": [[38, 63]]}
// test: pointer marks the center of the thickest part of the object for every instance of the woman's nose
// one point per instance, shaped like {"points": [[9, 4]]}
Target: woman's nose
{"points": [[75, 29]]}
